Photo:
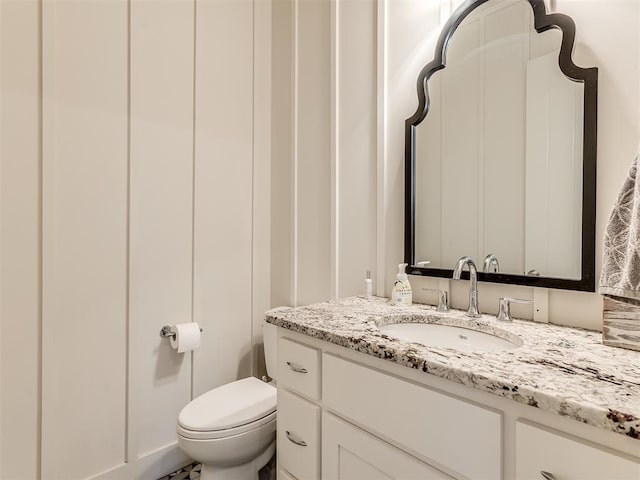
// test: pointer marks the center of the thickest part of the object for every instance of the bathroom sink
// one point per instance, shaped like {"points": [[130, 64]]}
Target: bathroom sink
{"points": [[450, 336]]}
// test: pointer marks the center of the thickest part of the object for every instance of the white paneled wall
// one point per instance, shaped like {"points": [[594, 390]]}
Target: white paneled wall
{"points": [[84, 236], [324, 152], [20, 228], [161, 220], [223, 191], [262, 142], [412, 29], [146, 179], [376, 50], [282, 238], [135, 192], [312, 146], [355, 143]]}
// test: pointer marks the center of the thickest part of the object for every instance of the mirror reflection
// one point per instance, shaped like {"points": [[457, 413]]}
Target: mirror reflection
{"points": [[499, 156]]}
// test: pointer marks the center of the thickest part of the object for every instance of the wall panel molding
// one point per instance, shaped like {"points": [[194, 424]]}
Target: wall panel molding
{"points": [[312, 157], [381, 147], [333, 136], [356, 145], [262, 144], [20, 239], [97, 157], [149, 466], [282, 153], [85, 163], [295, 154], [161, 213], [337, 165], [335, 45], [224, 181]]}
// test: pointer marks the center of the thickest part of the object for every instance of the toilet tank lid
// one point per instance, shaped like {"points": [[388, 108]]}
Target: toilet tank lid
{"points": [[228, 406]]}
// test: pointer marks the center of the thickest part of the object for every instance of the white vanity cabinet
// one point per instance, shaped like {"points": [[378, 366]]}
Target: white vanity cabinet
{"points": [[347, 451], [443, 438], [347, 415], [539, 449], [298, 427], [448, 432]]}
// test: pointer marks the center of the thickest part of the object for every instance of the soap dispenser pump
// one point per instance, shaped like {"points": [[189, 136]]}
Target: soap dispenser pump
{"points": [[401, 292]]}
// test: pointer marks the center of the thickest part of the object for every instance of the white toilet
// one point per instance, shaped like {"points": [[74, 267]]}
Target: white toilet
{"points": [[231, 429]]}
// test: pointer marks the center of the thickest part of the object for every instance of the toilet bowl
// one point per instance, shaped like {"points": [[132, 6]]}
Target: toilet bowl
{"points": [[231, 429]]}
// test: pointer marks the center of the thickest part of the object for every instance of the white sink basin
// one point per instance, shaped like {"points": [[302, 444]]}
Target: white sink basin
{"points": [[448, 336]]}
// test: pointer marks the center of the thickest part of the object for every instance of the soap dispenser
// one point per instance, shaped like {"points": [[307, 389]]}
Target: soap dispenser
{"points": [[401, 292]]}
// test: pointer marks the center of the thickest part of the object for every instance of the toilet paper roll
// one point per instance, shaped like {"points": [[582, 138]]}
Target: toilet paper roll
{"points": [[187, 336]]}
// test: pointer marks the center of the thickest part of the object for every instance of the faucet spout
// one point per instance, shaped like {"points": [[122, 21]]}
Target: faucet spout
{"points": [[491, 264], [473, 284]]}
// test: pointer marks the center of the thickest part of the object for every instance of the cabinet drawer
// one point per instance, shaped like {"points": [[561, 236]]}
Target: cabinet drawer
{"points": [[349, 452], [298, 435], [566, 458], [449, 432], [299, 368], [284, 475]]}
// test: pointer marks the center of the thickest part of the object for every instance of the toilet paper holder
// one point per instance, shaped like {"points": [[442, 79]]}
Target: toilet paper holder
{"points": [[166, 332]]}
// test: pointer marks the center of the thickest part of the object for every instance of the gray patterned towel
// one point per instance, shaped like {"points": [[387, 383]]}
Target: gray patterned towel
{"points": [[621, 260]]}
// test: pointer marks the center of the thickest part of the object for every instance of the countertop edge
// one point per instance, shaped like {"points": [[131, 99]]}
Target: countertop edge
{"points": [[594, 415]]}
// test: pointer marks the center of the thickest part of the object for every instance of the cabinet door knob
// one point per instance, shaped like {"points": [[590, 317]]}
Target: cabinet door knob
{"points": [[547, 475], [297, 369], [302, 443]]}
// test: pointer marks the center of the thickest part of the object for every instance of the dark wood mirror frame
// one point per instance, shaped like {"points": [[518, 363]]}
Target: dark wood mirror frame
{"points": [[588, 76]]}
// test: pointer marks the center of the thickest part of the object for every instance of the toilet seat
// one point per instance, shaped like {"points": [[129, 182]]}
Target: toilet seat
{"points": [[231, 409], [229, 432]]}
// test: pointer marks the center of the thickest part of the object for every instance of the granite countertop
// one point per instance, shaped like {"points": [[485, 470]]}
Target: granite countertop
{"points": [[567, 371]]}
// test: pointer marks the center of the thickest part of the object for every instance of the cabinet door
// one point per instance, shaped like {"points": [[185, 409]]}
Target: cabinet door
{"points": [[539, 450], [298, 436], [349, 453], [284, 475], [458, 435]]}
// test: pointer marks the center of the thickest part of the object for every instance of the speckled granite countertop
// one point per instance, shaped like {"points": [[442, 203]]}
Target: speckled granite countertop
{"points": [[563, 370]]}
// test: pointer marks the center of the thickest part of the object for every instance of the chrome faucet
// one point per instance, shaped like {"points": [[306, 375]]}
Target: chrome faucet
{"points": [[473, 287], [491, 264]]}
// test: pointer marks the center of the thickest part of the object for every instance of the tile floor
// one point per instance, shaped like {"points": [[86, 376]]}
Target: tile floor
{"points": [[189, 472], [192, 471]]}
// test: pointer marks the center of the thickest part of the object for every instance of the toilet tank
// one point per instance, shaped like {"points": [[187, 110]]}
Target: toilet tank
{"points": [[270, 335]]}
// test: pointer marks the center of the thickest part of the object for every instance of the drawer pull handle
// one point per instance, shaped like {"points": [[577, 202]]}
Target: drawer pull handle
{"points": [[297, 369], [302, 443], [547, 475]]}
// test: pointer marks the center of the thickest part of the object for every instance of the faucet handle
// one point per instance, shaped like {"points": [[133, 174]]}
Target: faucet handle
{"points": [[443, 299], [504, 312]]}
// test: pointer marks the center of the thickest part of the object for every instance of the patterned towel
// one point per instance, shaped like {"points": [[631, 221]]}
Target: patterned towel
{"points": [[621, 261]]}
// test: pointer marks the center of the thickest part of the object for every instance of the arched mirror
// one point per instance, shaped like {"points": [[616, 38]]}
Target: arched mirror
{"points": [[501, 152]]}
